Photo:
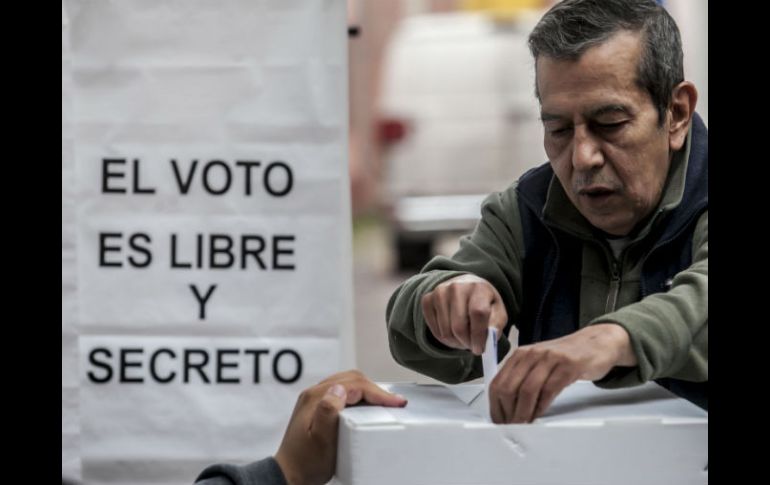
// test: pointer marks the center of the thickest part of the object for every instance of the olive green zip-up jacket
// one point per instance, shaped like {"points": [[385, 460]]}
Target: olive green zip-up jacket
{"points": [[668, 331]]}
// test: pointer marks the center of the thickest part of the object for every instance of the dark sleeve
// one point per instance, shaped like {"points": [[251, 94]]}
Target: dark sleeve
{"points": [[263, 472]]}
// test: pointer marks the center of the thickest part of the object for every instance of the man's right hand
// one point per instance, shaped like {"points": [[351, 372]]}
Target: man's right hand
{"points": [[459, 311]]}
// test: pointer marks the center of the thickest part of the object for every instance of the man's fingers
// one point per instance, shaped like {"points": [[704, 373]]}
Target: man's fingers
{"points": [[498, 317], [375, 395], [506, 405], [436, 319], [479, 311], [458, 315], [560, 378], [357, 387], [371, 393], [441, 307], [505, 386], [459, 311], [530, 389], [496, 410], [323, 424]]}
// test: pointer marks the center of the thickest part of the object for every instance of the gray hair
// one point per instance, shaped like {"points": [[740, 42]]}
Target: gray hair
{"points": [[571, 27]]}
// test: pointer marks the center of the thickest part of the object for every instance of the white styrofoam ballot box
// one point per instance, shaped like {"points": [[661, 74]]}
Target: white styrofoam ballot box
{"points": [[589, 436]]}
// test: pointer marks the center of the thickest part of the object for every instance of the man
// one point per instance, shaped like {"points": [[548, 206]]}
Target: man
{"points": [[600, 256], [308, 452]]}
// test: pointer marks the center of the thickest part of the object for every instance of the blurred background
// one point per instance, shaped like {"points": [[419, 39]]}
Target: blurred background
{"points": [[442, 113]]}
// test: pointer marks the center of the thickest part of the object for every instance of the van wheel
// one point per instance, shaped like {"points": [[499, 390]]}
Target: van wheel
{"points": [[412, 254]]}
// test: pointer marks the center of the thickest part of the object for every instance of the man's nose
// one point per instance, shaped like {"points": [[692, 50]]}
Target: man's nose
{"points": [[586, 152]]}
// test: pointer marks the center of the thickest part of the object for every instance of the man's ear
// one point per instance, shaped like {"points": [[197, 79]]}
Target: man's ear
{"points": [[680, 111]]}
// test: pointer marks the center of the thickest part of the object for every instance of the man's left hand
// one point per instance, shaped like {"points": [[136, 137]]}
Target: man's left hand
{"points": [[535, 374]]}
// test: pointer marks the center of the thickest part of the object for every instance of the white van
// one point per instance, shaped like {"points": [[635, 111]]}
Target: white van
{"points": [[459, 120]]}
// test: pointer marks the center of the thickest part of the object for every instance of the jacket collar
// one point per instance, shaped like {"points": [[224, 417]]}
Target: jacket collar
{"points": [[687, 179]]}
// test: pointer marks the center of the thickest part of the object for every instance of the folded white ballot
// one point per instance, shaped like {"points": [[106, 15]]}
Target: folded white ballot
{"points": [[489, 366]]}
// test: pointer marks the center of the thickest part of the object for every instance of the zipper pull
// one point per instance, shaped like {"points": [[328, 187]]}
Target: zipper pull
{"points": [[615, 270]]}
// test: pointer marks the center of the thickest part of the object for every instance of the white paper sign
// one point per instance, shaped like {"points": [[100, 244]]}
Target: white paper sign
{"points": [[206, 259]]}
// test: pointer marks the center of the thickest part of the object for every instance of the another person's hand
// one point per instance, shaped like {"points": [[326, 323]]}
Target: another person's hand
{"points": [[535, 374], [308, 452], [459, 311]]}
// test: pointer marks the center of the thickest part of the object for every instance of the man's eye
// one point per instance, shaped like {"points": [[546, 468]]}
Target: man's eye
{"points": [[610, 126], [560, 131]]}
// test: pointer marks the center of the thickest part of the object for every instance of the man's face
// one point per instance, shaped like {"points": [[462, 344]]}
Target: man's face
{"points": [[602, 135]]}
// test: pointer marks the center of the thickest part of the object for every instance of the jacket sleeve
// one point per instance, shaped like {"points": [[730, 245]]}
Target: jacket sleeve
{"points": [[263, 472], [669, 331], [494, 252]]}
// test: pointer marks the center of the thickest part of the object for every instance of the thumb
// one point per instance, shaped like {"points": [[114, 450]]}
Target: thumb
{"points": [[326, 413], [498, 317]]}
